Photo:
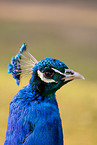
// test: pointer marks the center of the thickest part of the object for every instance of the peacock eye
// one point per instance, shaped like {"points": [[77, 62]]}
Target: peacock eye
{"points": [[49, 73]]}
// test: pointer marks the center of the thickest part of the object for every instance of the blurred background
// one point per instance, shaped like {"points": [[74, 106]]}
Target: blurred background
{"points": [[66, 30]]}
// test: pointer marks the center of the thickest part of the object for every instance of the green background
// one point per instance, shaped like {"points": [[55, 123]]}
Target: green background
{"points": [[67, 32]]}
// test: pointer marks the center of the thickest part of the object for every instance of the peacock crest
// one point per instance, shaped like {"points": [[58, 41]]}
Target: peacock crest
{"points": [[22, 64]]}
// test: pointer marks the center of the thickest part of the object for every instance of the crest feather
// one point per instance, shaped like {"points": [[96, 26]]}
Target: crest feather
{"points": [[22, 64]]}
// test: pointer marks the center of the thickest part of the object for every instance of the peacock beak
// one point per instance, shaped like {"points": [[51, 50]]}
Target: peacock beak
{"points": [[71, 75]]}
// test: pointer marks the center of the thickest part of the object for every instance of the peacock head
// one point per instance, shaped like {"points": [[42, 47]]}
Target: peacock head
{"points": [[48, 75]]}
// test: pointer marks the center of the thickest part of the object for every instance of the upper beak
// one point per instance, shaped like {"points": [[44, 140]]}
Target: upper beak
{"points": [[71, 75]]}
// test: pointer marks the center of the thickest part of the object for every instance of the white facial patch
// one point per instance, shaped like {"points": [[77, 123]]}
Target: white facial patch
{"points": [[57, 71], [68, 75], [40, 74]]}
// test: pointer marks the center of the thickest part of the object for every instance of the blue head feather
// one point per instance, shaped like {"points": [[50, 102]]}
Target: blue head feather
{"points": [[51, 62], [14, 67], [19, 66], [23, 48]]}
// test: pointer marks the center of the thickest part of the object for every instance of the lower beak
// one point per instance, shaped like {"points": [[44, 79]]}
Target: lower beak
{"points": [[71, 75]]}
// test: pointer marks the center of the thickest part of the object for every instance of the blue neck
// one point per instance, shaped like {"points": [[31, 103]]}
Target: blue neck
{"points": [[37, 94], [30, 93]]}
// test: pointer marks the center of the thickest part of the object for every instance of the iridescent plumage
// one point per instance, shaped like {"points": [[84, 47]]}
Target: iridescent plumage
{"points": [[34, 117]]}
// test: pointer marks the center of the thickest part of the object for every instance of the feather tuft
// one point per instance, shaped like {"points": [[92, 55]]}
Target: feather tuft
{"points": [[22, 64]]}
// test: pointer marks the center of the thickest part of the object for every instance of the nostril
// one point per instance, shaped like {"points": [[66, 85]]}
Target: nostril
{"points": [[69, 73]]}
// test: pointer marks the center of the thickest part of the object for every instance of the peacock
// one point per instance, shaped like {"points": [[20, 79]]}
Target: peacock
{"points": [[34, 117]]}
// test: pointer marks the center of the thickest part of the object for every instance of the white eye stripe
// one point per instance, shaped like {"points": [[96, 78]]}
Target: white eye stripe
{"points": [[40, 74], [57, 71]]}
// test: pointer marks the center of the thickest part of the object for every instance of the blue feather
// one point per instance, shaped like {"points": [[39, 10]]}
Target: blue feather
{"points": [[23, 48]]}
